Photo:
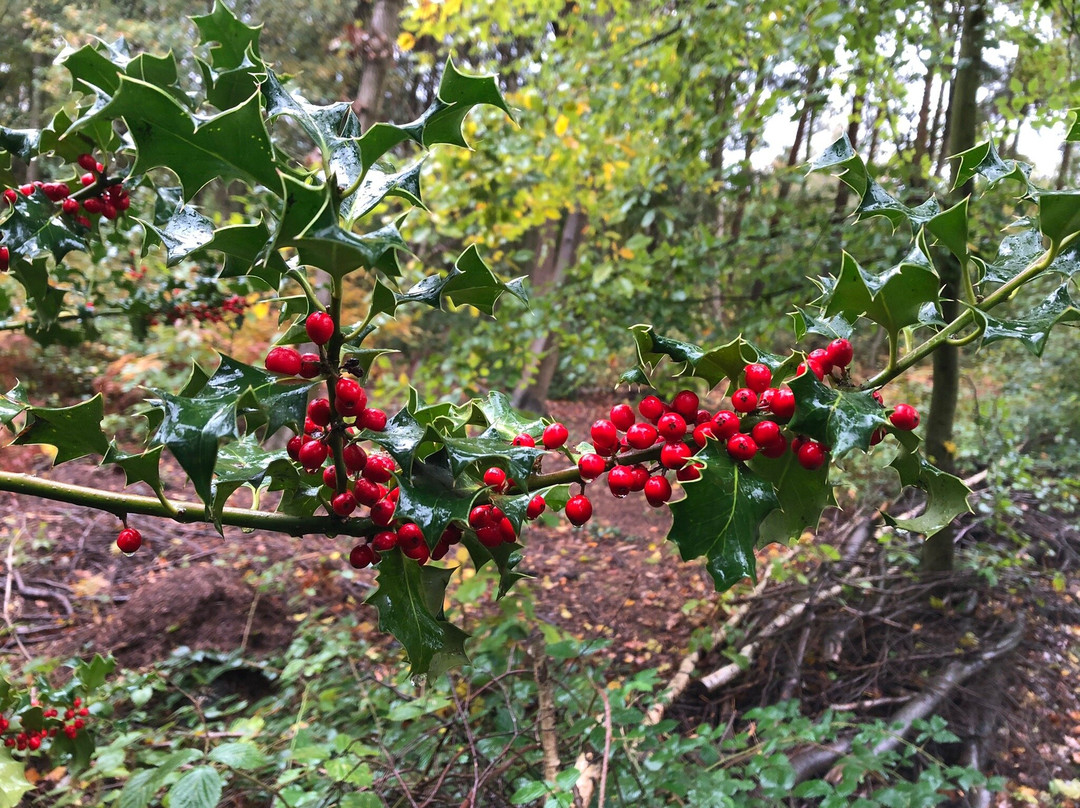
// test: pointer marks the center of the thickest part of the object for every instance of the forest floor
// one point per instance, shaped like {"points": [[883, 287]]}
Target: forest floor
{"points": [[872, 640]]}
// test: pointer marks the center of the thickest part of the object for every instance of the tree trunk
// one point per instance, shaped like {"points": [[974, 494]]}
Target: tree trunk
{"points": [[378, 51], [1065, 169], [796, 144], [542, 361], [843, 192], [937, 553], [922, 132]]}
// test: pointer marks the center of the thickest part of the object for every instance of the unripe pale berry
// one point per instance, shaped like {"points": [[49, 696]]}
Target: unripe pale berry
{"points": [[578, 510], [320, 327]]}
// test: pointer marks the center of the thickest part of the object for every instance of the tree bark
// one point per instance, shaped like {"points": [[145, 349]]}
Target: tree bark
{"points": [[378, 55], [1065, 169], [937, 555], [796, 144]]}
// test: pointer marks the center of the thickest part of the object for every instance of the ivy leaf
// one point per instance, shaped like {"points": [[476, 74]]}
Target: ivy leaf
{"points": [[803, 494], [714, 366], [720, 517], [231, 145], [432, 499], [946, 494], [1033, 329], [75, 431], [842, 420], [402, 599]]}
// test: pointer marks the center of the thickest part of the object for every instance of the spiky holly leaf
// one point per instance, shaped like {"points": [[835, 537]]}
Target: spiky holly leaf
{"points": [[75, 431], [379, 184], [714, 366], [232, 40], [13, 403], [403, 596], [184, 233], [244, 247], [245, 462], [832, 327], [946, 495], [452, 654], [23, 143], [951, 229], [401, 438], [191, 429], [1033, 329], [1015, 253], [502, 419], [505, 557], [893, 299], [33, 229], [262, 397], [720, 517], [803, 495], [841, 160], [841, 419], [231, 145], [46, 301], [983, 159], [432, 498], [1059, 214], [138, 468], [478, 454], [469, 283]]}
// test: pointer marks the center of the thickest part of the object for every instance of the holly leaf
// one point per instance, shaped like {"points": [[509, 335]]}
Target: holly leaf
{"points": [[23, 143], [246, 253], [1015, 253], [1059, 214], [402, 598], [1033, 329], [984, 159], [184, 233], [191, 429], [841, 419], [13, 404], [946, 494], [832, 327], [720, 517], [803, 494], [75, 431], [893, 299], [432, 499], [505, 557], [32, 229], [841, 160], [951, 229], [138, 468], [714, 366], [245, 462], [232, 39], [197, 151], [501, 418], [477, 454]]}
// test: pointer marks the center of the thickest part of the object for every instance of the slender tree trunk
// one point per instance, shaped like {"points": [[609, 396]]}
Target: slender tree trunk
{"points": [[1065, 169], [937, 553], [554, 258], [843, 192], [796, 144], [920, 147], [379, 53]]}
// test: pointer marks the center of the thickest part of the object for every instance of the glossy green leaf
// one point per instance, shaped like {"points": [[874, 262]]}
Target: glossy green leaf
{"points": [[842, 420], [1033, 329], [832, 327], [720, 517], [191, 429], [13, 782], [893, 298], [246, 253], [185, 232], [34, 229], [841, 160], [198, 788], [505, 557], [502, 419], [477, 454], [138, 468], [432, 498], [1015, 253], [75, 431], [232, 39], [23, 143], [1059, 214], [401, 438], [946, 494], [402, 599], [469, 283], [714, 366], [46, 299], [803, 494], [13, 403], [983, 159], [231, 145], [951, 229]]}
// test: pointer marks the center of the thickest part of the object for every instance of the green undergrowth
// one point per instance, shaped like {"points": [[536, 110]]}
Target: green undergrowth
{"points": [[332, 721]]}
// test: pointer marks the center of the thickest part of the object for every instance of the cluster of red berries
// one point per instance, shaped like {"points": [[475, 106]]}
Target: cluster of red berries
{"points": [[753, 424], [201, 311], [110, 201], [75, 719]]}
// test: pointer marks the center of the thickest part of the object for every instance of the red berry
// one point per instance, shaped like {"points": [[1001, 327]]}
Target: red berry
{"points": [[384, 541], [744, 400], [688, 473], [622, 415], [319, 411], [782, 403], [506, 531], [674, 455], [293, 447], [109, 211], [758, 377], [309, 365], [604, 433], [382, 512], [129, 540], [70, 206], [641, 476], [344, 503], [880, 399], [329, 477], [350, 393], [11, 195], [555, 435], [410, 534], [904, 417], [811, 455], [686, 404], [496, 478], [283, 360], [704, 433], [355, 457], [26, 190], [536, 507], [87, 162], [34, 743], [839, 353], [5, 258], [320, 327], [87, 180], [379, 468], [813, 367], [821, 356], [775, 449], [372, 418], [361, 556], [480, 516], [765, 433], [312, 455], [524, 439], [367, 492], [671, 426], [878, 436], [651, 408], [641, 436], [725, 424], [578, 510], [418, 553], [591, 466], [620, 481], [93, 205], [741, 446], [71, 731], [657, 490], [489, 535]]}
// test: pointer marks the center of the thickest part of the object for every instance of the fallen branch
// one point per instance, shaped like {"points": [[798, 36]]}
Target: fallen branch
{"points": [[812, 762]]}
